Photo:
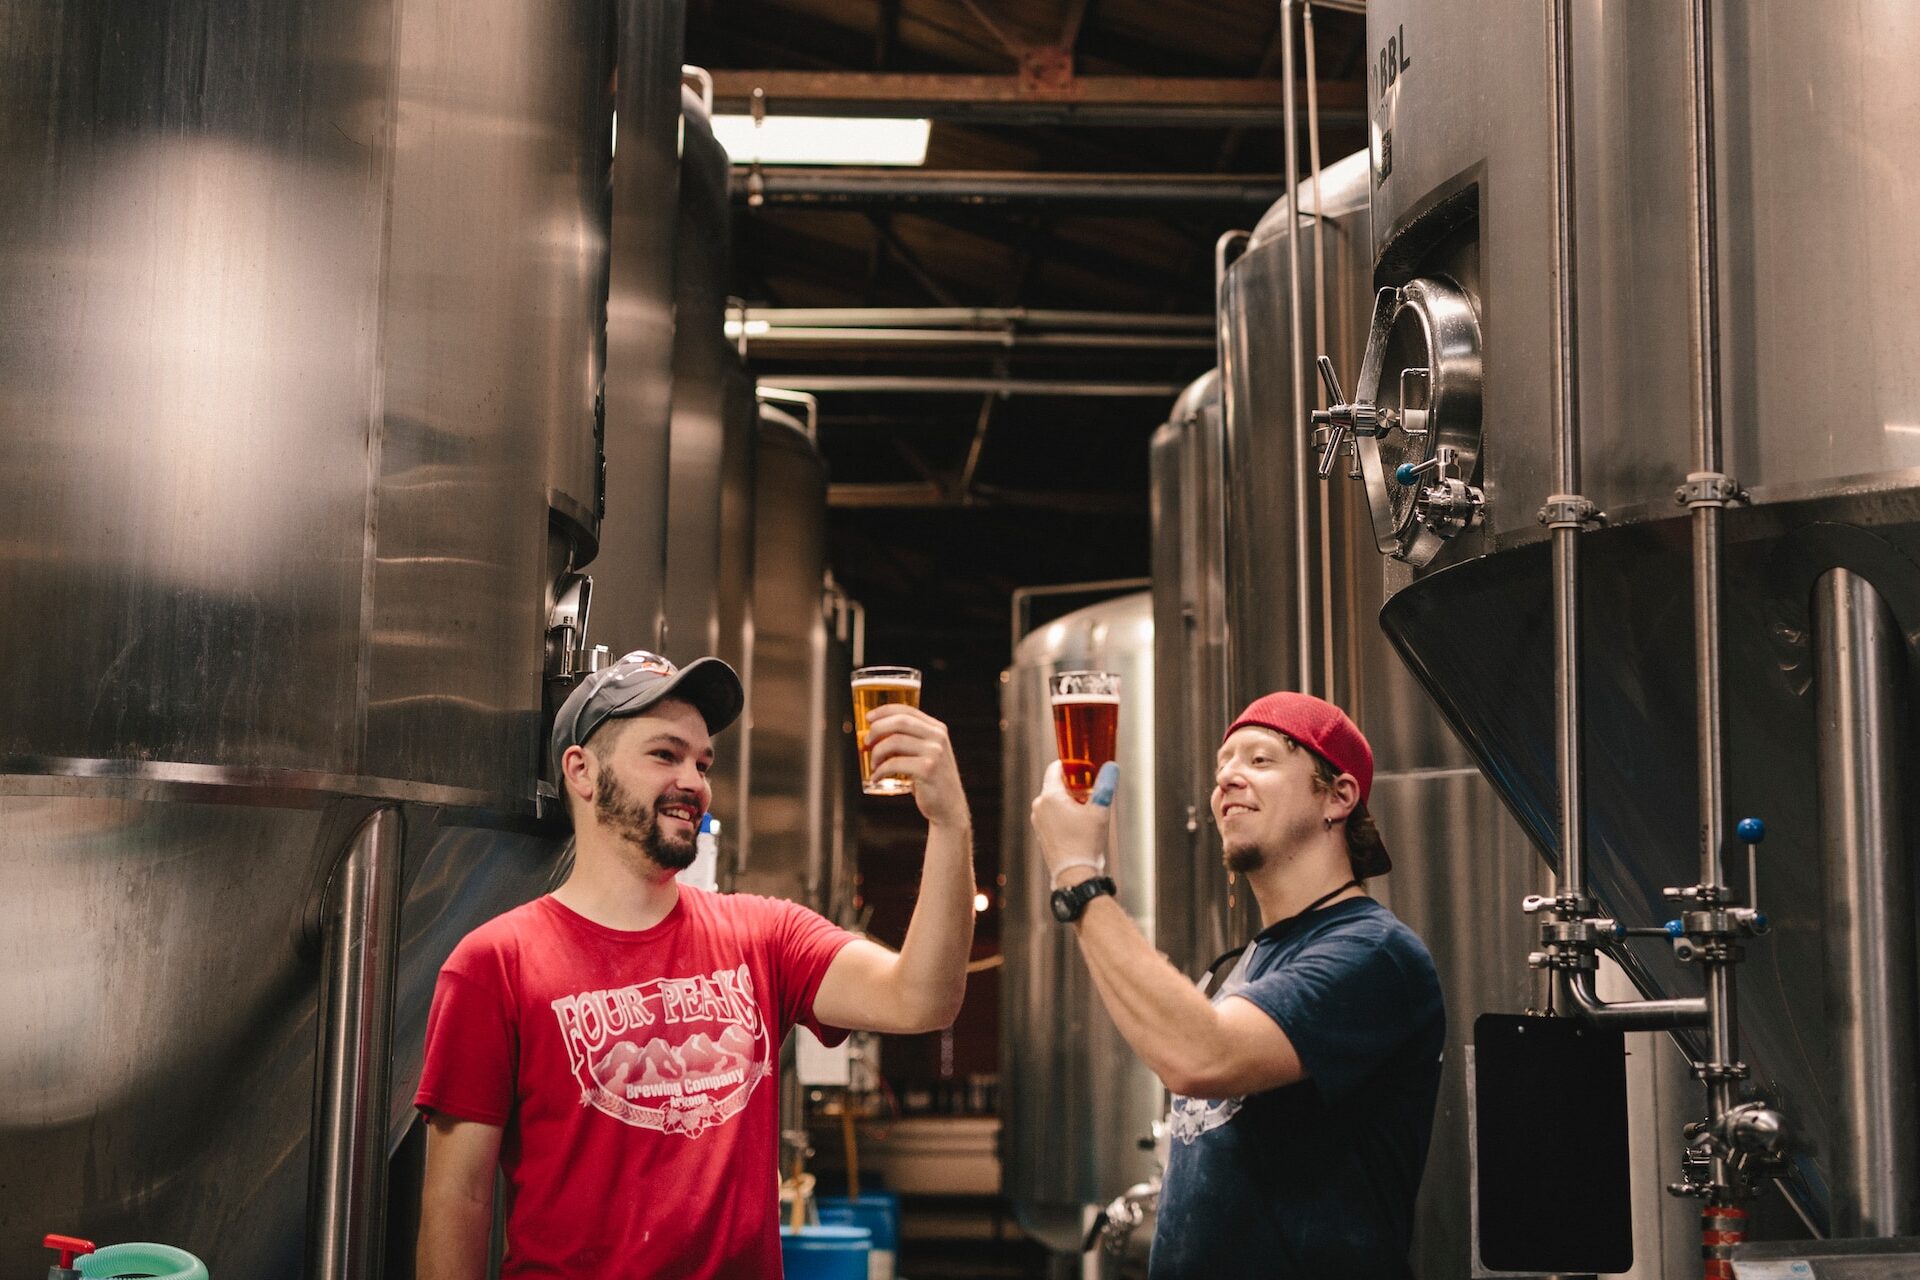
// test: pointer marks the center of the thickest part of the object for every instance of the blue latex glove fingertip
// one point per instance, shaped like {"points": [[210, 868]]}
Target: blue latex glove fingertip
{"points": [[1105, 784]]}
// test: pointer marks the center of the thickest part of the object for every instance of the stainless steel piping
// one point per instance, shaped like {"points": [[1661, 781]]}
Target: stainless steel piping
{"points": [[1302, 510], [1327, 655], [924, 186], [1008, 339], [933, 385], [1568, 514], [1862, 711], [1566, 549], [961, 317], [346, 1190], [1706, 494]]}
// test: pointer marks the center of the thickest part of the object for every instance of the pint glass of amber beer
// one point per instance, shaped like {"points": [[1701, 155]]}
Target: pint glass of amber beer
{"points": [[873, 688], [1086, 724]]}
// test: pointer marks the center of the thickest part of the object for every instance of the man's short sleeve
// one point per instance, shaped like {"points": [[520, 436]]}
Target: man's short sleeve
{"points": [[1348, 1002], [472, 1045], [804, 943]]}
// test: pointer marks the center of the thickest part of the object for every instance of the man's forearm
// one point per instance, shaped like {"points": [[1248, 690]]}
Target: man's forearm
{"points": [[932, 971], [454, 1234], [1156, 1009]]}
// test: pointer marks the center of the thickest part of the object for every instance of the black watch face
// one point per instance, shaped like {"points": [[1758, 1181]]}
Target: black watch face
{"points": [[1063, 907]]}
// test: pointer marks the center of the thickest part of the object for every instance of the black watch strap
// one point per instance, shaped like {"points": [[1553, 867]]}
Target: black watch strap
{"points": [[1070, 904]]}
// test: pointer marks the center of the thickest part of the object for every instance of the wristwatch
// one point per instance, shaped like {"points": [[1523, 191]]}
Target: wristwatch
{"points": [[1070, 903]]}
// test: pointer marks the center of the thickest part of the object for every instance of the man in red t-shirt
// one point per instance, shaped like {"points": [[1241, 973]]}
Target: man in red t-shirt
{"points": [[614, 1047]]}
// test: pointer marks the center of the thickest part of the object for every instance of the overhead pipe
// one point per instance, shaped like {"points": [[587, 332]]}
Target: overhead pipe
{"points": [[1008, 339], [962, 317], [934, 385], [844, 186]]}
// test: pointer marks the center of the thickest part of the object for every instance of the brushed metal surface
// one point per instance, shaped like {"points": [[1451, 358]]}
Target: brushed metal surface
{"points": [[1863, 708], [702, 359], [360, 927], [706, 600], [640, 328], [1078, 1101], [784, 830], [299, 317], [495, 237], [1197, 917], [1264, 449], [1461, 865], [1808, 190]]}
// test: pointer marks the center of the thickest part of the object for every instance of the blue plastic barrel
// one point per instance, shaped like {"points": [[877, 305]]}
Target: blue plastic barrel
{"points": [[825, 1252], [879, 1212]]}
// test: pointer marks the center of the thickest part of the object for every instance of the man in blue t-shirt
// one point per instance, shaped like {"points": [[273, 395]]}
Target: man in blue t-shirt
{"points": [[1304, 1089]]}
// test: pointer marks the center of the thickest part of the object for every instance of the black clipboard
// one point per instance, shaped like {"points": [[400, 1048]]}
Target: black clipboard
{"points": [[1551, 1185]]}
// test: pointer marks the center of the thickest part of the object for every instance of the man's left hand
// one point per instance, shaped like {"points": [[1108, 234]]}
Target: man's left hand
{"points": [[1070, 831]]}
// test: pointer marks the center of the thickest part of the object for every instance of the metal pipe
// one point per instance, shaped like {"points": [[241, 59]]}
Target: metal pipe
{"points": [[1632, 1015], [1861, 707], [1568, 515], [914, 384], [346, 1188], [788, 393], [1568, 683], [808, 186], [1023, 596], [704, 78], [1302, 495], [976, 317], [1002, 339], [1327, 664], [1722, 1027]]}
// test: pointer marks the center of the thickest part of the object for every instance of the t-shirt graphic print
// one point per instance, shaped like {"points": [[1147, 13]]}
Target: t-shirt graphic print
{"points": [[675, 1055]]}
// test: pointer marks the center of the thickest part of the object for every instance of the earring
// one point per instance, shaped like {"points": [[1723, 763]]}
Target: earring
{"points": [[1328, 822]]}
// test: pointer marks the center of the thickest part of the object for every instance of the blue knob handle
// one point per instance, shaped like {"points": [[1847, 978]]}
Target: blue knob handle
{"points": [[1675, 929], [1404, 473], [1751, 830], [1760, 922]]}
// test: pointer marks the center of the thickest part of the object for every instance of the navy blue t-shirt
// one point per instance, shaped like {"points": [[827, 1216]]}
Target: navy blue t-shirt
{"points": [[1315, 1180]]}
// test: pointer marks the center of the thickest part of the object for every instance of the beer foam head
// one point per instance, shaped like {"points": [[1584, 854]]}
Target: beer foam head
{"points": [[1081, 699], [887, 682]]}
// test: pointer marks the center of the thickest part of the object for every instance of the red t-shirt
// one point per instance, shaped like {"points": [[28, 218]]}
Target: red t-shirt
{"points": [[636, 1075]]}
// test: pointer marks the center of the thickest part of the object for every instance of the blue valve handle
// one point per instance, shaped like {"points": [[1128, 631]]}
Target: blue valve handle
{"points": [[1403, 475], [1675, 929], [1751, 830]]}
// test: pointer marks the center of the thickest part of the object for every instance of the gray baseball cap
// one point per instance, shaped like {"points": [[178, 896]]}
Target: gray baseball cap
{"points": [[637, 681]]}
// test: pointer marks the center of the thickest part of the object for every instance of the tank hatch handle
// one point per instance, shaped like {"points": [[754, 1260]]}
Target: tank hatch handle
{"points": [[1435, 415], [569, 656]]}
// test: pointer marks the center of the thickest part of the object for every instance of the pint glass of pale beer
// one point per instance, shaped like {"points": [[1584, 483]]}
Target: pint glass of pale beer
{"points": [[1086, 724], [873, 688]]}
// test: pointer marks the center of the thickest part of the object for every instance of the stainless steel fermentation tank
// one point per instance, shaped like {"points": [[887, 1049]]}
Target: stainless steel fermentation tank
{"points": [[301, 335], [1078, 1101], [707, 607], [1303, 590], [1736, 265], [794, 829]]}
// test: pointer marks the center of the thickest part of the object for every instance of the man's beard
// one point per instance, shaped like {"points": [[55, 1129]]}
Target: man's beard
{"points": [[1244, 859], [620, 813]]}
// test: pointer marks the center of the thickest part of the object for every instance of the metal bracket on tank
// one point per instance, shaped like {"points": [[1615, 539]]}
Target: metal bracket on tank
{"points": [[1426, 495], [569, 656]]}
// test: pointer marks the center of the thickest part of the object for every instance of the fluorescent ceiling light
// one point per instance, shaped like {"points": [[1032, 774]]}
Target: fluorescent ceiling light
{"points": [[822, 140]]}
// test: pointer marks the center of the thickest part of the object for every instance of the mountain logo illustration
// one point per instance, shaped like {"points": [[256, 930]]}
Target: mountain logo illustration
{"points": [[675, 1055]]}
